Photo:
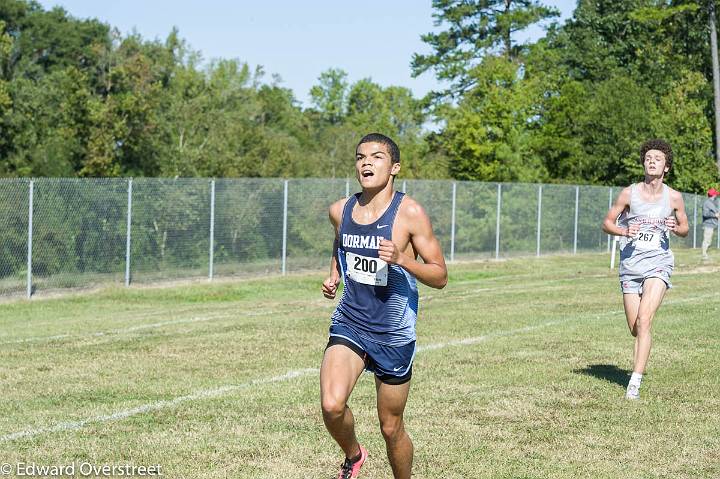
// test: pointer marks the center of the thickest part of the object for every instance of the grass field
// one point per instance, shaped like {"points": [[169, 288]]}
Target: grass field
{"points": [[520, 374]]}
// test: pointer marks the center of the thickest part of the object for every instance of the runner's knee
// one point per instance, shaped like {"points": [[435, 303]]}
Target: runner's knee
{"points": [[642, 324], [392, 428], [332, 406]]}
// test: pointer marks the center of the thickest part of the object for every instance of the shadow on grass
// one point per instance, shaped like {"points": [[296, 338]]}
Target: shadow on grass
{"points": [[608, 372]]}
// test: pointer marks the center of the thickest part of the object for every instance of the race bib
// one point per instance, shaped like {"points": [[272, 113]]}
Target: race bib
{"points": [[372, 271], [648, 240]]}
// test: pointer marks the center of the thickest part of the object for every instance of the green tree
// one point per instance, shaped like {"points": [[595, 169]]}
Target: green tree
{"points": [[652, 41], [50, 40], [124, 113], [487, 136], [45, 125], [590, 132], [475, 29], [680, 119], [392, 111], [330, 96], [612, 74], [77, 98], [6, 44]]}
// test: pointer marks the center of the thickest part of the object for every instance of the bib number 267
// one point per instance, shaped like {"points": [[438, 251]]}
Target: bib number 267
{"points": [[647, 241]]}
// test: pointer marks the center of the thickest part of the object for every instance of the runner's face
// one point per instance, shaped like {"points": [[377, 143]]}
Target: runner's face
{"points": [[373, 165], [655, 163]]}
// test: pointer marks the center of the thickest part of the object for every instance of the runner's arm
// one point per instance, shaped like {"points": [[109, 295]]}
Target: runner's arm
{"points": [[679, 224], [329, 286], [432, 271], [609, 223]]}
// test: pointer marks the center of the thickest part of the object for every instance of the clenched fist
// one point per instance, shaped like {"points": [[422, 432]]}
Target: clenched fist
{"points": [[330, 285]]}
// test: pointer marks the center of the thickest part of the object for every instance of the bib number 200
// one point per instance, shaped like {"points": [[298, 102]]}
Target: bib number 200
{"points": [[362, 269], [366, 265]]}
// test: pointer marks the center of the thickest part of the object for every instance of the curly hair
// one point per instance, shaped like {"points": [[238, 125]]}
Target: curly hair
{"points": [[657, 144]]}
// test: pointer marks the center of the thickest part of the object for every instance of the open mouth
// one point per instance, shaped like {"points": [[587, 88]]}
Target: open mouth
{"points": [[366, 173]]}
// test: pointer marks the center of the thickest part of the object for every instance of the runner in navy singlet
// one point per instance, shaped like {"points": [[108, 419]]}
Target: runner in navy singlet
{"points": [[379, 235], [648, 212]]}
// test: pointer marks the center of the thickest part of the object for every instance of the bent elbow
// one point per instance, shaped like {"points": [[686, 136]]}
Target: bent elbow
{"points": [[442, 283], [604, 226]]}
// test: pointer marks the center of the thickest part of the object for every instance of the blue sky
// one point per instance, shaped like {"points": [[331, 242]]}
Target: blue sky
{"points": [[295, 40]]}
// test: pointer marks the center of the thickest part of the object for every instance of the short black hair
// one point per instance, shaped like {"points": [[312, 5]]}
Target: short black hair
{"points": [[657, 144], [387, 141]]}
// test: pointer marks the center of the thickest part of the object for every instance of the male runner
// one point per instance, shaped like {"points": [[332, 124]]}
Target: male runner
{"points": [[649, 211], [379, 234], [710, 216]]}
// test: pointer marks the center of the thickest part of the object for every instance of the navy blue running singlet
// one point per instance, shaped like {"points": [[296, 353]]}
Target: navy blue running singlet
{"points": [[379, 301]]}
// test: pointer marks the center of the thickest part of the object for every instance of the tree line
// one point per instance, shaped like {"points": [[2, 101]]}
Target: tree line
{"points": [[78, 99]]}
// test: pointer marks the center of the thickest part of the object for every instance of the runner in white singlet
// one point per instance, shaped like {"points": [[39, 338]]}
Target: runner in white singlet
{"points": [[648, 212]]}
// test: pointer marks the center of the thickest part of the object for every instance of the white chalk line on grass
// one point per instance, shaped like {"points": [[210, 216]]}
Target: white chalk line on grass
{"points": [[485, 337], [197, 319], [478, 339], [156, 406], [151, 313], [127, 315], [225, 390], [140, 327], [447, 295], [145, 315], [454, 294], [427, 297], [121, 330]]}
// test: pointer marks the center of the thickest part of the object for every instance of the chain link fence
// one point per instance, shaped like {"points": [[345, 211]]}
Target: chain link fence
{"points": [[76, 233]]}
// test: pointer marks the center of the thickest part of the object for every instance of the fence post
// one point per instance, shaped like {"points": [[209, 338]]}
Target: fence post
{"points": [[285, 218], [497, 221], [577, 207], [347, 187], [694, 221], [31, 196], [718, 235], [212, 227], [127, 238], [539, 215], [452, 223], [610, 198], [404, 188]]}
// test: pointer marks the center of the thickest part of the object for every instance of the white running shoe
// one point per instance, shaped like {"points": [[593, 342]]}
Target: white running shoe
{"points": [[633, 392]]}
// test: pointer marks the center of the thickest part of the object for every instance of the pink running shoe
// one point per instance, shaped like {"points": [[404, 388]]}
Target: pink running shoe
{"points": [[349, 469]]}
